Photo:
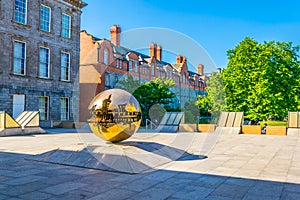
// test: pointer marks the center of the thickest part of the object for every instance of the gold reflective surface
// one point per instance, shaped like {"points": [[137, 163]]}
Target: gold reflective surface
{"points": [[116, 115]]}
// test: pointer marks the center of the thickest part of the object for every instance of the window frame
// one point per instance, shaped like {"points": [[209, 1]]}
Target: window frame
{"points": [[48, 70], [25, 13], [105, 56], [49, 23], [107, 81], [121, 64], [46, 107], [63, 28], [117, 63], [66, 107], [130, 65], [136, 67], [152, 69], [61, 66], [22, 58]]}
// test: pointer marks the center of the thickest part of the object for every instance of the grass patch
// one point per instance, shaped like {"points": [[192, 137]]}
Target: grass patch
{"points": [[274, 123]]}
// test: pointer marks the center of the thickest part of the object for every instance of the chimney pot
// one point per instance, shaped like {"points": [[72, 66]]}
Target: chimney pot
{"points": [[179, 59], [159, 52], [115, 32], [153, 48], [201, 69]]}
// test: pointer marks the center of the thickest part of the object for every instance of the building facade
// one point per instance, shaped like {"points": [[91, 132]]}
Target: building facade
{"points": [[39, 58], [103, 63]]}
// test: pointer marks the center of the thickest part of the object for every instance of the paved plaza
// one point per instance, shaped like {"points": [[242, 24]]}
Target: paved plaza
{"points": [[224, 166]]}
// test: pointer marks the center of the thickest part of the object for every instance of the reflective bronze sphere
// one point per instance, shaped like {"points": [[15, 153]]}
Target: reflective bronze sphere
{"points": [[116, 115]]}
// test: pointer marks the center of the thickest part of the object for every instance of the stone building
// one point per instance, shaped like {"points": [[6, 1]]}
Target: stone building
{"points": [[39, 58], [104, 62]]}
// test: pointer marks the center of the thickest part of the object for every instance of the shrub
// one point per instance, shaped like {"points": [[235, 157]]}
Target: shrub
{"points": [[273, 123]]}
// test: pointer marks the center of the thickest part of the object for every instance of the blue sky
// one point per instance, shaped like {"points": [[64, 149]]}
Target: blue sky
{"points": [[216, 25]]}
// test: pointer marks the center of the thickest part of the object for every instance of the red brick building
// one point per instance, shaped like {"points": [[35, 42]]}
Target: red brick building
{"points": [[104, 62]]}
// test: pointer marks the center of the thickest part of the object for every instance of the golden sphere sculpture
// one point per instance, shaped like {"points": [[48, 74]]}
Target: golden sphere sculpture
{"points": [[116, 115]]}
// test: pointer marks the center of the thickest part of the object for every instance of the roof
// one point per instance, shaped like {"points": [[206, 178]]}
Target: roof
{"points": [[124, 51], [78, 3], [178, 66]]}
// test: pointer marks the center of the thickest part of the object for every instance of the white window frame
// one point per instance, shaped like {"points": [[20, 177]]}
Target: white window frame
{"points": [[63, 28], [25, 14], [62, 76], [44, 21], [152, 69], [121, 64], [105, 56], [44, 111], [136, 67], [44, 63], [117, 63], [64, 108], [130, 65], [107, 81], [19, 58]]}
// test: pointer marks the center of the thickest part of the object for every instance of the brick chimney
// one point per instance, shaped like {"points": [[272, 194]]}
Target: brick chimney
{"points": [[115, 32], [159, 52], [179, 59], [201, 69], [153, 48]]}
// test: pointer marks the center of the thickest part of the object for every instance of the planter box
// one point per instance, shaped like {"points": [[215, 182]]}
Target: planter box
{"points": [[251, 129], [206, 128], [276, 130], [187, 128]]}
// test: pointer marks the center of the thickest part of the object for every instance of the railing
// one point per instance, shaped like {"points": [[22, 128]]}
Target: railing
{"points": [[151, 124]]}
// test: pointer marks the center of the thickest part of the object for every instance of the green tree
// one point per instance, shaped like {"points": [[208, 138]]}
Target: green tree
{"points": [[191, 111], [154, 92], [129, 84], [214, 101], [262, 80]]}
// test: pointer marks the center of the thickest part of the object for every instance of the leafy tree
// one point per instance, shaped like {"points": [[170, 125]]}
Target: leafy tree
{"points": [[214, 101], [129, 84], [191, 111], [154, 92], [262, 80]]}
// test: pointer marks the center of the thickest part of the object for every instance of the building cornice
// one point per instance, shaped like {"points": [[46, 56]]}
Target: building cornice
{"points": [[78, 3]]}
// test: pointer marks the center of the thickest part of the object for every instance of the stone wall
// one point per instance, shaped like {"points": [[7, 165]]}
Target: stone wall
{"points": [[30, 84]]}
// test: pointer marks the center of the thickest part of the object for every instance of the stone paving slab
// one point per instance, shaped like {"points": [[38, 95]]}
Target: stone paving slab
{"points": [[136, 155], [237, 167]]}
